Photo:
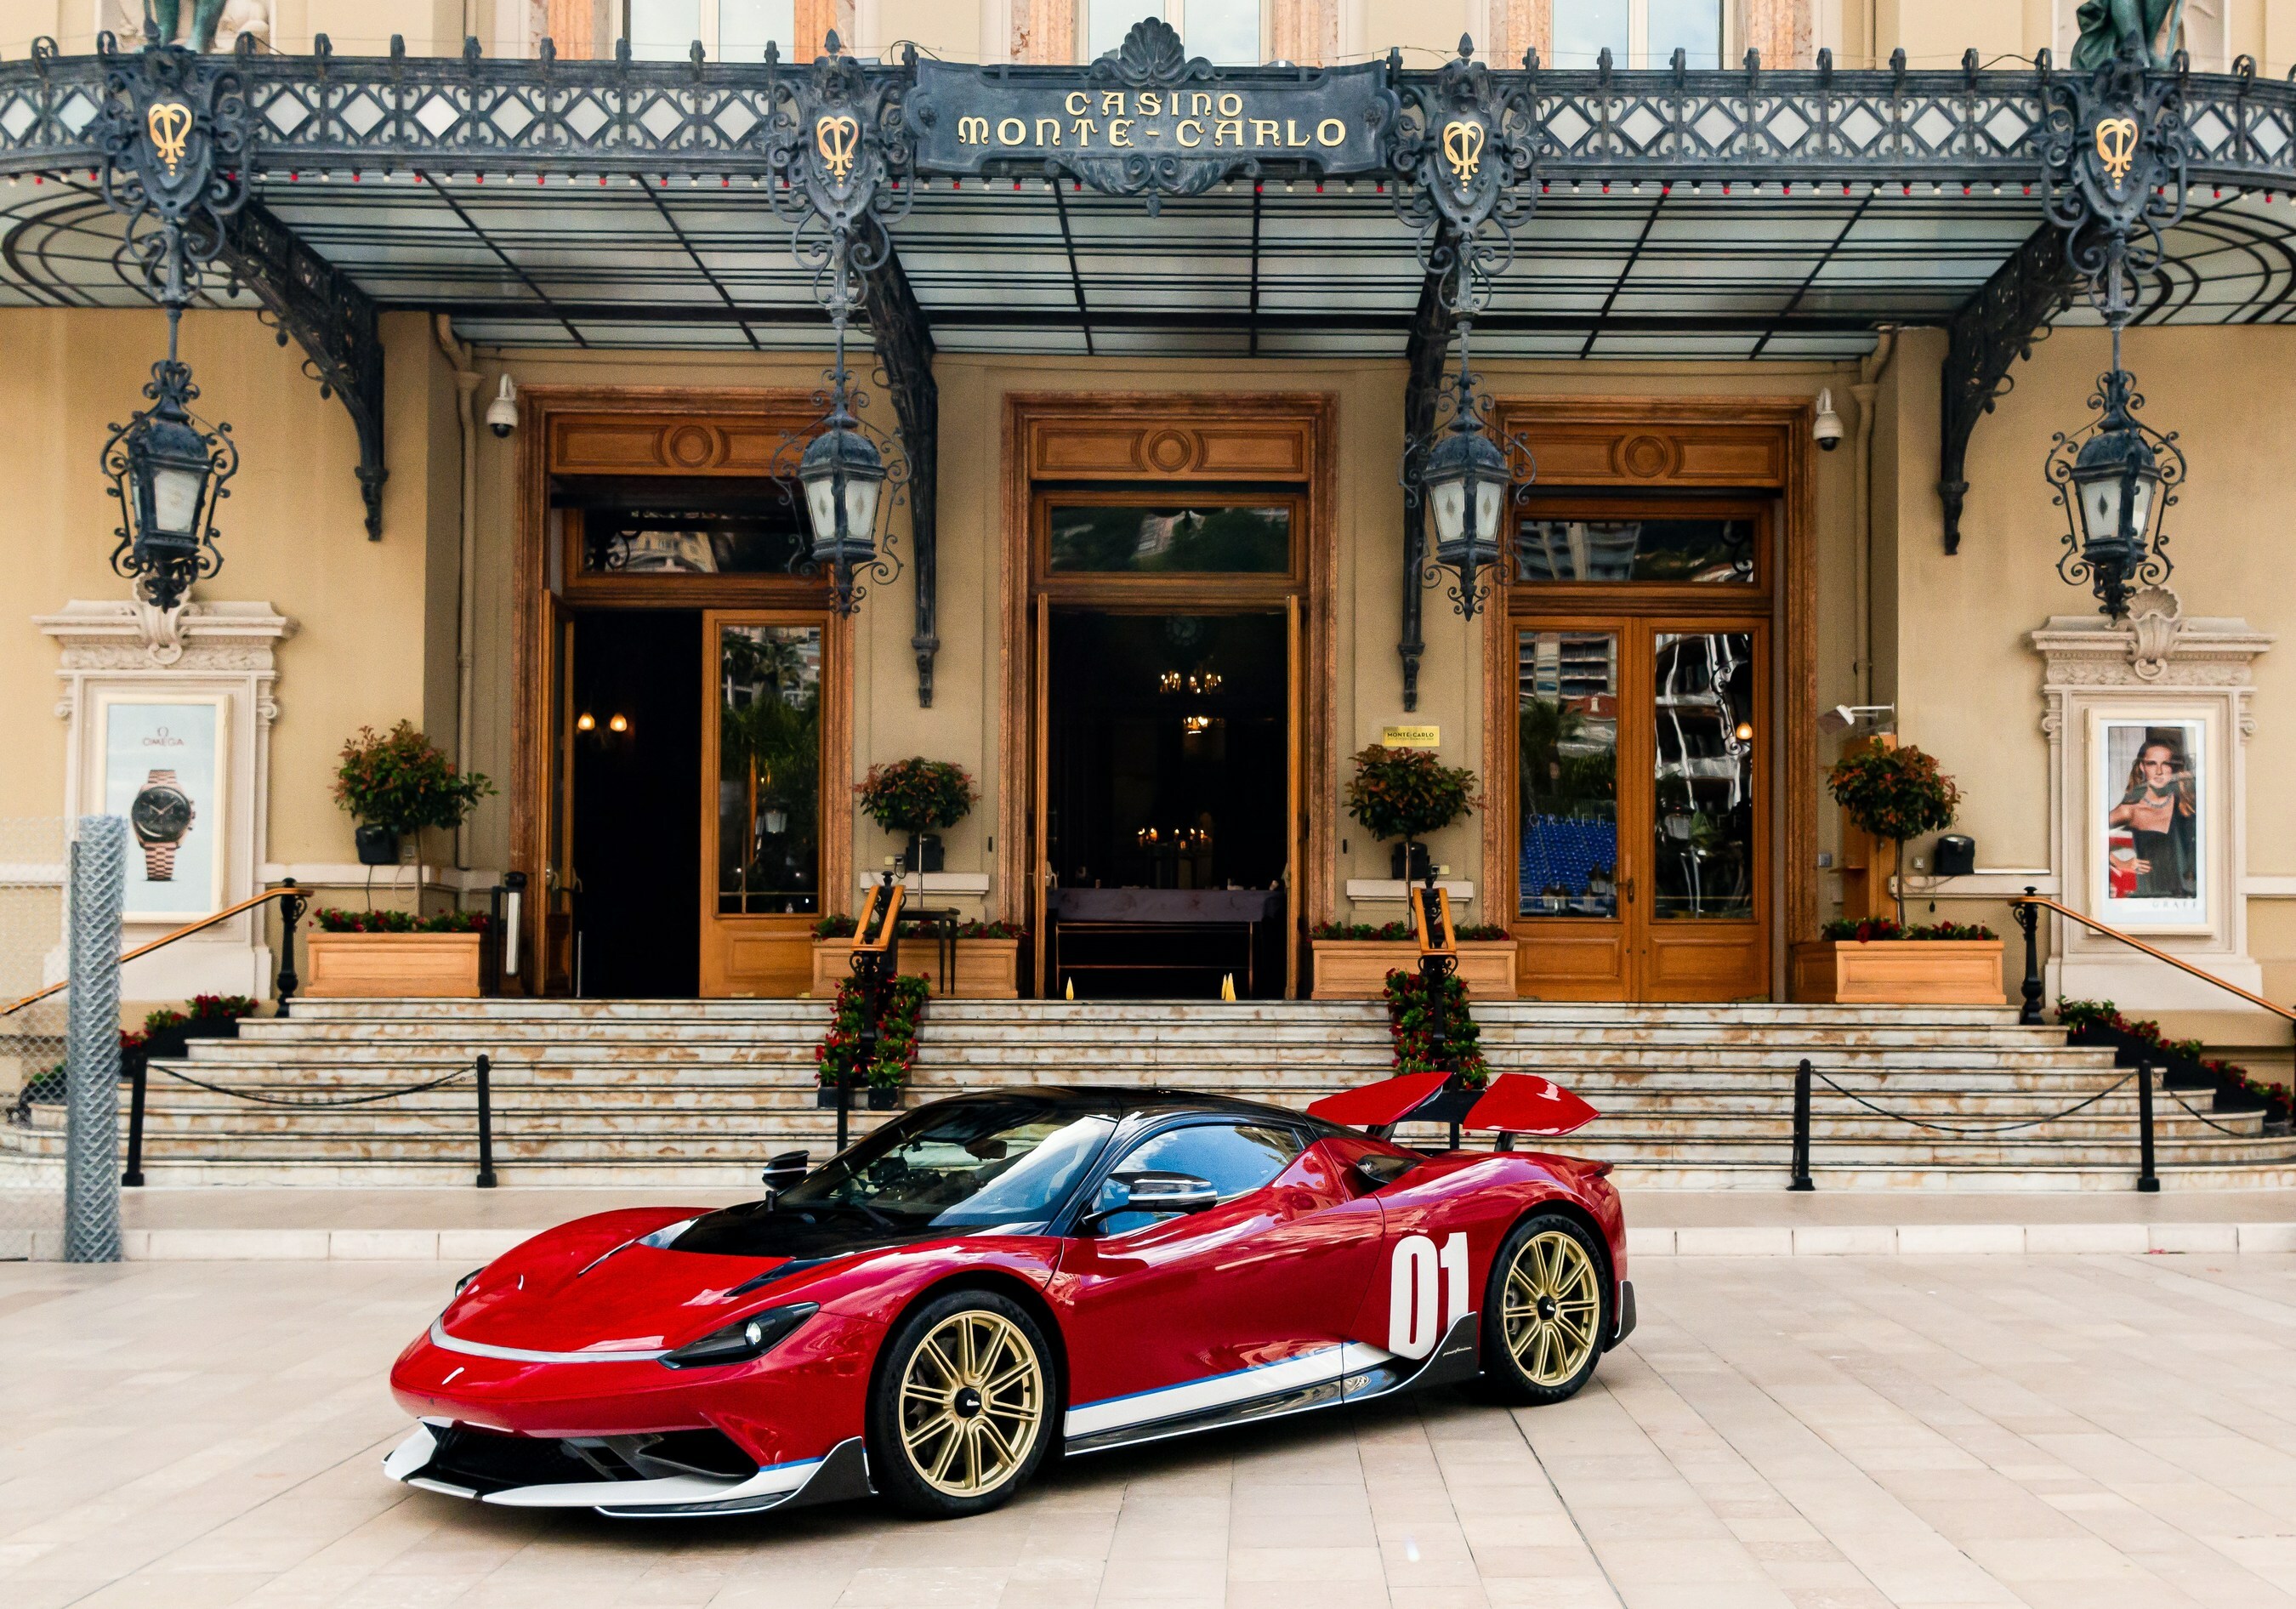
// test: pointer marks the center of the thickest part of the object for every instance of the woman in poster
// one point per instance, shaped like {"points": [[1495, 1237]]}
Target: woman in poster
{"points": [[2157, 810]]}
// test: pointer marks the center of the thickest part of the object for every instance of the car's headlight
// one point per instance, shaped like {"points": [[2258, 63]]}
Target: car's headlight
{"points": [[746, 1338]]}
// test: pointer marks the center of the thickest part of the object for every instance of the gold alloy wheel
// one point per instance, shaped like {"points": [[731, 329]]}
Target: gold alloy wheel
{"points": [[972, 1403], [1552, 1307]]}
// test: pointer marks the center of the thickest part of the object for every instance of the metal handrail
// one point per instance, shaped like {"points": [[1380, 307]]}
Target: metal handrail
{"points": [[2033, 898], [287, 889]]}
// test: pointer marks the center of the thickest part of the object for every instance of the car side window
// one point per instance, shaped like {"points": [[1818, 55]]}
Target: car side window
{"points": [[1235, 1158]]}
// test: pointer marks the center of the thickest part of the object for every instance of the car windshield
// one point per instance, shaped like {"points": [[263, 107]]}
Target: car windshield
{"points": [[990, 1160]]}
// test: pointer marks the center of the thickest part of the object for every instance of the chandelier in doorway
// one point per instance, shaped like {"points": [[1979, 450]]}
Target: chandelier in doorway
{"points": [[1463, 153], [838, 137], [2113, 178], [174, 139]]}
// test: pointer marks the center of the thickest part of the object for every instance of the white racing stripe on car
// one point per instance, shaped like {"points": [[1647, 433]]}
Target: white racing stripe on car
{"points": [[772, 1481], [1324, 1365], [519, 1354]]}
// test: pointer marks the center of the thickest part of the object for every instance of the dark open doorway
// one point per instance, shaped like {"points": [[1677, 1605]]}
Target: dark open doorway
{"points": [[1168, 760], [636, 746]]}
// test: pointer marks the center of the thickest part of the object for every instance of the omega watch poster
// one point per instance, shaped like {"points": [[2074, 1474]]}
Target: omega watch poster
{"points": [[2151, 794], [163, 771]]}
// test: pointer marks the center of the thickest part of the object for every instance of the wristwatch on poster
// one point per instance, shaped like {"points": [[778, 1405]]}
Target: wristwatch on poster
{"points": [[160, 815]]}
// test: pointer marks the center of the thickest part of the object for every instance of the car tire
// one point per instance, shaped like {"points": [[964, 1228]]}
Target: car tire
{"points": [[961, 1411], [1546, 1309]]}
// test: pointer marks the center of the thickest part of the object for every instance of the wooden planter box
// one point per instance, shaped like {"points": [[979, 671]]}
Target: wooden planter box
{"points": [[1899, 971], [986, 969], [425, 965], [1356, 969]]}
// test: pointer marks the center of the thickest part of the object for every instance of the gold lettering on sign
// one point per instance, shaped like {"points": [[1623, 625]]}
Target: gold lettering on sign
{"points": [[1199, 105], [1463, 149], [1151, 104], [1119, 131], [1225, 130], [2116, 145], [1292, 135], [1076, 104], [1263, 131], [837, 138], [1190, 133], [1085, 130], [1011, 131], [1048, 131], [972, 131], [1113, 99], [1231, 105], [170, 126], [1331, 131]]}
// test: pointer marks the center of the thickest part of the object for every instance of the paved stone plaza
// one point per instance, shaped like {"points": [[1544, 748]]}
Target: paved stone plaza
{"points": [[1811, 1431]]}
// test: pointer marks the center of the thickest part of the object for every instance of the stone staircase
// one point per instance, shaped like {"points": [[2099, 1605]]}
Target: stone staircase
{"points": [[700, 1093]]}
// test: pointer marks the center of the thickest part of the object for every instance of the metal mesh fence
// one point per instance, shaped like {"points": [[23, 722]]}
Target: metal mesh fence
{"points": [[99, 886], [33, 855]]}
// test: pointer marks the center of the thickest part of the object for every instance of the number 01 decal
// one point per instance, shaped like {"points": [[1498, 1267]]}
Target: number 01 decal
{"points": [[1419, 1307]]}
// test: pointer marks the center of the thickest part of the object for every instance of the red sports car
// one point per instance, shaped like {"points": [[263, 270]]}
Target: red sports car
{"points": [[990, 1279]]}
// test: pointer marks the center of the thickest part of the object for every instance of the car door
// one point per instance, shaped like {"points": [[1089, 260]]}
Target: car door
{"points": [[1200, 1314]]}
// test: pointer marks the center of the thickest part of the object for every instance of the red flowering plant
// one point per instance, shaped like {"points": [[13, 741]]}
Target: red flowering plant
{"points": [[842, 927], [2095, 1021], [1883, 930], [899, 1005], [1413, 1014], [1408, 793], [400, 780], [917, 795], [1894, 794], [221, 1008], [333, 919]]}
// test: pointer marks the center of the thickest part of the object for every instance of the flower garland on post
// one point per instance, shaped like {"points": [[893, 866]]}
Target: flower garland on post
{"points": [[899, 1005], [1412, 1016]]}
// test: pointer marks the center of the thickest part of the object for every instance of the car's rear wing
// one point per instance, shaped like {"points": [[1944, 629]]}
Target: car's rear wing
{"points": [[1512, 1103]]}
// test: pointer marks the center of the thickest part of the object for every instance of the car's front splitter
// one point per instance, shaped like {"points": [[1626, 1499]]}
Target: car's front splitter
{"points": [[840, 1474]]}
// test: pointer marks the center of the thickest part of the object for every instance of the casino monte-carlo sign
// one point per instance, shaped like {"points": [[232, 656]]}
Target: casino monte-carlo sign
{"points": [[1149, 119]]}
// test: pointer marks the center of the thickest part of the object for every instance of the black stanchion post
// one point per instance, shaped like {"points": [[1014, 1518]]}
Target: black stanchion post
{"points": [[486, 1126], [137, 1071], [2028, 917], [2147, 1181], [291, 912], [1801, 1180]]}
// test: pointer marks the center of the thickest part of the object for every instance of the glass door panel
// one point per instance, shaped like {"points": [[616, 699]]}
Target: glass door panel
{"points": [[1702, 771], [1567, 772], [769, 770]]}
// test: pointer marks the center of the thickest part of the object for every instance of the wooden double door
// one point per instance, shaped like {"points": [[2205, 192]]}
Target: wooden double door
{"points": [[1643, 798]]}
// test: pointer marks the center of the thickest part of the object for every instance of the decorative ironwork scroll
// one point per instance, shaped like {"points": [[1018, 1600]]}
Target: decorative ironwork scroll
{"points": [[905, 354], [1149, 119], [2114, 157], [1990, 333], [1462, 150], [331, 319], [174, 134]]}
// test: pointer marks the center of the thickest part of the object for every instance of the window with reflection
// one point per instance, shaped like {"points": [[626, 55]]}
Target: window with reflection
{"points": [[1702, 699], [1637, 33], [728, 31], [1668, 550], [1567, 772], [1222, 32], [769, 770], [670, 544], [1099, 538]]}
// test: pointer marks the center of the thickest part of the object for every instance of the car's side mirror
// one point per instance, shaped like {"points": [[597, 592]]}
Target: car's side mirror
{"points": [[1150, 1191], [785, 1169]]}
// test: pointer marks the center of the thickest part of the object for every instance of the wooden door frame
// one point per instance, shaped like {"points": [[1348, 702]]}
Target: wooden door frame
{"points": [[699, 431], [835, 780], [1746, 446], [1179, 438]]}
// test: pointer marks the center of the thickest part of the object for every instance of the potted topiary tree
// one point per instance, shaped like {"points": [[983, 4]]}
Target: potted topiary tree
{"points": [[912, 798], [1405, 794], [398, 782], [1894, 795]]}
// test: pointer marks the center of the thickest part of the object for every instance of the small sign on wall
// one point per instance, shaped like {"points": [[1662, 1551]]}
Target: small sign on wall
{"points": [[1411, 737]]}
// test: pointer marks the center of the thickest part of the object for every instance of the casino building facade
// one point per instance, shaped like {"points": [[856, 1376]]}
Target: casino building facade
{"points": [[677, 415]]}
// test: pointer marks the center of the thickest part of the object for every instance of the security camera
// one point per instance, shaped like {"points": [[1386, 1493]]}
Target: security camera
{"points": [[502, 413], [1826, 429]]}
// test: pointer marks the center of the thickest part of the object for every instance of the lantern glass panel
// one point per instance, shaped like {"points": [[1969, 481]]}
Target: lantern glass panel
{"points": [[861, 512], [176, 493], [1446, 504]]}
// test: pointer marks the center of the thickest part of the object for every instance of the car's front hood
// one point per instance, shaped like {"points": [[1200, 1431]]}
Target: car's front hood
{"points": [[596, 1286]]}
